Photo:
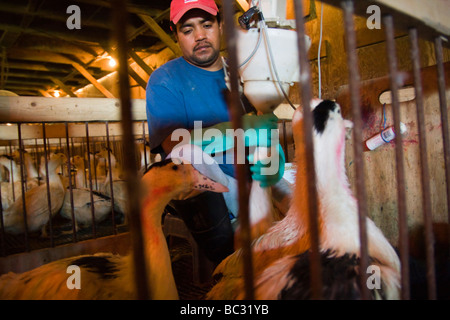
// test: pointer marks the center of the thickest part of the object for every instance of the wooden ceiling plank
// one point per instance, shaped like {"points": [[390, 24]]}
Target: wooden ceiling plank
{"points": [[92, 80], [39, 109], [63, 87], [141, 63], [45, 93], [35, 67], [161, 33]]}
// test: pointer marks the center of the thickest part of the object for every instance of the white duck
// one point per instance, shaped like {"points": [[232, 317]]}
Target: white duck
{"points": [[80, 176], [82, 206], [146, 157], [12, 189], [116, 178], [281, 255], [36, 202], [109, 276], [32, 175], [82, 202]]}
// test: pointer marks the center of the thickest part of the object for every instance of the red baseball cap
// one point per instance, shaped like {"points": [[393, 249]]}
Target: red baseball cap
{"points": [[179, 7]]}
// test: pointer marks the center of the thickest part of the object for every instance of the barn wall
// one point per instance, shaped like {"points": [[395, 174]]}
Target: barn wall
{"points": [[380, 164]]}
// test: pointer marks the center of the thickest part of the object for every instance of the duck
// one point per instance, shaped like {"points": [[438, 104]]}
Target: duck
{"points": [[32, 177], [111, 276], [281, 256], [36, 202], [12, 188], [82, 206], [80, 176], [116, 178], [146, 157], [109, 159], [80, 196]]}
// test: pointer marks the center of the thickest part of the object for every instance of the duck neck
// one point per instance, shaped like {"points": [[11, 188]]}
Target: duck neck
{"points": [[338, 207], [159, 270], [31, 170]]}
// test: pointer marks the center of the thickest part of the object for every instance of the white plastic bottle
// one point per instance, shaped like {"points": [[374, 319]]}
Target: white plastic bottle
{"points": [[384, 137]]}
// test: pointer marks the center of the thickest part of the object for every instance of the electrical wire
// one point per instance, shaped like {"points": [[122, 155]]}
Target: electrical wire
{"points": [[262, 27], [254, 50], [274, 69]]}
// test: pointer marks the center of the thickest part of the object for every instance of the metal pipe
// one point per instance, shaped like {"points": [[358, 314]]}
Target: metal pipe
{"points": [[394, 79], [444, 118], [354, 79], [47, 180], [132, 181], [108, 147], [94, 230], [144, 124], [242, 170], [425, 175], [305, 80], [69, 169], [24, 208]]}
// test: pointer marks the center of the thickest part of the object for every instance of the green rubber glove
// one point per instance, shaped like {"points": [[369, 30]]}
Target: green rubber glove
{"points": [[220, 137], [268, 174]]}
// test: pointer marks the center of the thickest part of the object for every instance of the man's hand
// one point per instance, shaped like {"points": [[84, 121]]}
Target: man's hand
{"points": [[268, 174]]}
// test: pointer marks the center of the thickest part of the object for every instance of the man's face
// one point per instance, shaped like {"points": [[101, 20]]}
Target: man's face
{"points": [[198, 35]]}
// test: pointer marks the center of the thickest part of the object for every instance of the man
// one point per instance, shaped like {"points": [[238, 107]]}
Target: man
{"points": [[191, 88]]}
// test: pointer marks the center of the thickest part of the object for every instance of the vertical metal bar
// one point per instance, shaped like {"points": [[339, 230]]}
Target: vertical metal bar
{"points": [[144, 145], [47, 180], [24, 208], [400, 172], [2, 228], [425, 176], [354, 79], [444, 118], [120, 20], [111, 182], [36, 163], [244, 185], [305, 80], [94, 229], [69, 169]]}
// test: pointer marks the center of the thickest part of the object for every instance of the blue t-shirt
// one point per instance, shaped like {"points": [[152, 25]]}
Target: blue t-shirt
{"points": [[178, 94]]}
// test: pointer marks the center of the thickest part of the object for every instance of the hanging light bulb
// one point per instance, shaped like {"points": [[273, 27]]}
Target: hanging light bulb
{"points": [[112, 62]]}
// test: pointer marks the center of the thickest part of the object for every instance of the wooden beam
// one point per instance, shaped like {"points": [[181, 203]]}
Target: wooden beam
{"points": [[41, 109], [58, 130], [83, 53], [36, 67], [141, 63], [137, 77], [92, 80], [132, 73], [92, 38], [63, 87], [36, 55], [161, 33], [45, 93]]}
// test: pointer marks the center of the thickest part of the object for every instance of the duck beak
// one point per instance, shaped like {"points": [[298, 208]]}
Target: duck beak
{"points": [[202, 182]]}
